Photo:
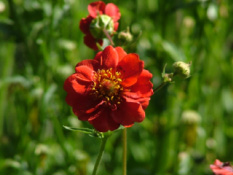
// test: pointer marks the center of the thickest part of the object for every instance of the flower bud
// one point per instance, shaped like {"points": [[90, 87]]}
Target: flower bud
{"points": [[125, 36], [190, 120], [182, 69], [101, 23], [190, 117], [167, 78], [212, 12], [2, 7], [41, 149]]}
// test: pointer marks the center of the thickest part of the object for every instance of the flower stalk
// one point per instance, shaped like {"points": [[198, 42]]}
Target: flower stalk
{"points": [[125, 151], [160, 86], [101, 151], [108, 36]]}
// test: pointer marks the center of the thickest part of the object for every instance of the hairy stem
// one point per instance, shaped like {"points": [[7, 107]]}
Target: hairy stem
{"points": [[109, 37], [103, 143], [160, 86], [124, 151]]}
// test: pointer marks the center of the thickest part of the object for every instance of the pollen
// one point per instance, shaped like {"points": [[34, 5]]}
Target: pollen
{"points": [[107, 86]]}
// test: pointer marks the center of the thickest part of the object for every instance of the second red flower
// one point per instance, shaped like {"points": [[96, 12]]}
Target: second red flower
{"points": [[102, 18]]}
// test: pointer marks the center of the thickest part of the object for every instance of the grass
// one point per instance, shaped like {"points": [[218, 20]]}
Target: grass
{"points": [[40, 44]]}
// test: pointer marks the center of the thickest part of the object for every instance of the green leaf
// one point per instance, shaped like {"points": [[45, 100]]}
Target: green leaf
{"points": [[173, 51], [164, 70], [17, 79], [90, 132]]}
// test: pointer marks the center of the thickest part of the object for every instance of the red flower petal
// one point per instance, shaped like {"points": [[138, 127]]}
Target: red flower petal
{"points": [[84, 73], [108, 58], [128, 112], [76, 89], [116, 24], [91, 42], [113, 11], [220, 168], [143, 86], [81, 103], [141, 90], [92, 64], [130, 73], [144, 101], [104, 122], [80, 98], [121, 53], [84, 25], [98, 57], [81, 114], [218, 163], [96, 8], [72, 97], [222, 172], [73, 83], [90, 111]]}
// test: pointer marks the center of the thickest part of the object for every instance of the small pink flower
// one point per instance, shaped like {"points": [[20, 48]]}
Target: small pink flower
{"points": [[221, 168]]}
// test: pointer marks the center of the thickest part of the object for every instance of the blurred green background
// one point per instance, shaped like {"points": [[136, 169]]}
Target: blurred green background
{"points": [[188, 123]]}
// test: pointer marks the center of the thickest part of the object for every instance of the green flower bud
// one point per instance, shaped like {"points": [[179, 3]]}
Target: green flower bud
{"points": [[125, 36], [101, 23], [182, 69], [167, 78]]}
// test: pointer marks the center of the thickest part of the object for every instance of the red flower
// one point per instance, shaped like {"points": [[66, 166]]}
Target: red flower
{"points": [[111, 90], [220, 168], [96, 9]]}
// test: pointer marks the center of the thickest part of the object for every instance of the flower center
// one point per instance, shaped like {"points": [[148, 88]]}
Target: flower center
{"points": [[107, 86]]}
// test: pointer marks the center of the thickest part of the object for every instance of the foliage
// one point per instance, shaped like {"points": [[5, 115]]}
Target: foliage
{"points": [[40, 43]]}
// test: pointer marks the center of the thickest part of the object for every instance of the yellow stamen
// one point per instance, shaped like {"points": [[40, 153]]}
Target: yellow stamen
{"points": [[107, 86]]}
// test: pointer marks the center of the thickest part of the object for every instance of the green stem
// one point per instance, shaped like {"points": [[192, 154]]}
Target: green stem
{"points": [[124, 151], [103, 143], [160, 86]]}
